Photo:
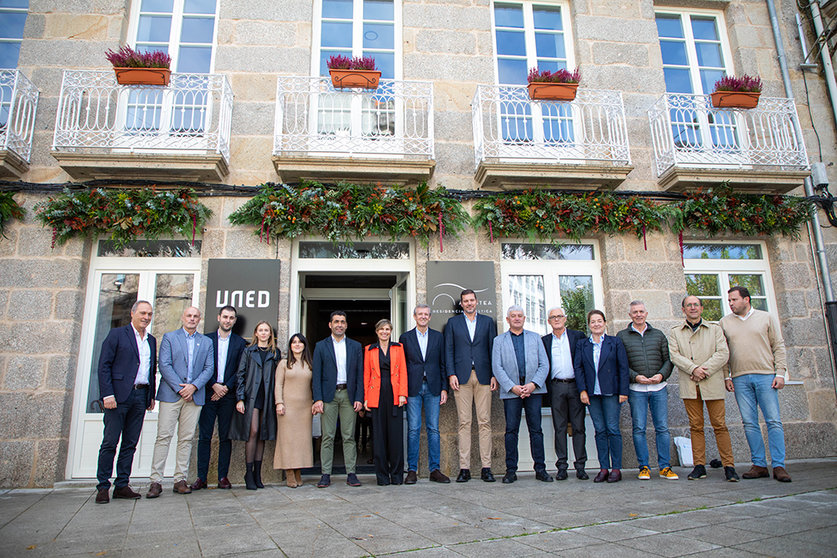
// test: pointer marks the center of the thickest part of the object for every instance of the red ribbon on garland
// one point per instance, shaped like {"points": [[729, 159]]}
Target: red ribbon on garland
{"points": [[682, 260], [644, 241], [194, 227], [490, 233]]}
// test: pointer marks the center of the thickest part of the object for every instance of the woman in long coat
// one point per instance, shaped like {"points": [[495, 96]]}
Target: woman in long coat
{"points": [[294, 407], [256, 419]]}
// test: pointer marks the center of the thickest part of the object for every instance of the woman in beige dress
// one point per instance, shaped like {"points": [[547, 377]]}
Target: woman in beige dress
{"points": [[294, 410]]}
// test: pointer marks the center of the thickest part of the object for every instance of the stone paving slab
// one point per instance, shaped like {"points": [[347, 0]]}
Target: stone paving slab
{"points": [[529, 518]]}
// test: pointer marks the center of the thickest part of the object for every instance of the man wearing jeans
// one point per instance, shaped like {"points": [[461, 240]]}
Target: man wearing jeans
{"points": [[757, 369], [649, 367], [424, 349]]}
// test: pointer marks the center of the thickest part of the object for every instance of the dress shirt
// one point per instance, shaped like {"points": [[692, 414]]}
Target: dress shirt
{"points": [[597, 351], [641, 333], [743, 318], [144, 370], [422, 341], [562, 361], [223, 348], [520, 354], [340, 357], [472, 325], [190, 353]]}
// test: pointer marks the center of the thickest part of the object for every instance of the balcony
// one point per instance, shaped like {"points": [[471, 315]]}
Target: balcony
{"points": [[178, 132], [323, 133], [18, 104], [520, 142], [755, 150]]}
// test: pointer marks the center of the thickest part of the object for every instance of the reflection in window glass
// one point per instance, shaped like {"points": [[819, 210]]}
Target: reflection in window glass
{"points": [[527, 291], [172, 296], [707, 287], [151, 249], [722, 251], [513, 251], [577, 299], [357, 250]]}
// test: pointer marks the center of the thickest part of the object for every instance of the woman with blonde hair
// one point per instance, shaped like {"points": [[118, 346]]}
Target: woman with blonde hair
{"points": [[256, 420], [385, 394], [294, 410]]}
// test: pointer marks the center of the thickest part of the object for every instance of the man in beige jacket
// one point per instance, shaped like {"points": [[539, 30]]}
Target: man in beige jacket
{"points": [[698, 350]]}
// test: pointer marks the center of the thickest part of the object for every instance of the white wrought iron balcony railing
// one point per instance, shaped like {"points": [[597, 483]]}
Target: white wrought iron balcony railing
{"points": [[18, 105], [509, 126], [313, 119], [190, 116], [687, 131]]}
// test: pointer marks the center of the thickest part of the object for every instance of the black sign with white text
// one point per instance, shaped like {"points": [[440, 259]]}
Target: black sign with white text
{"points": [[251, 286], [446, 280]]}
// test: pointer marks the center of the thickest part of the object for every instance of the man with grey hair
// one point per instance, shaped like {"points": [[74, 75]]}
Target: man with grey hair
{"points": [[650, 367], [520, 365]]}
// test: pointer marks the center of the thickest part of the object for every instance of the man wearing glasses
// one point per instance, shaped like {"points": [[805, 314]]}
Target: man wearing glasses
{"points": [[563, 393]]}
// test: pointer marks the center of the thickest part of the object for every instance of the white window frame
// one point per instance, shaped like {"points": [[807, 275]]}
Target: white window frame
{"points": [[13, 39], [538, 114], [726, 267]]}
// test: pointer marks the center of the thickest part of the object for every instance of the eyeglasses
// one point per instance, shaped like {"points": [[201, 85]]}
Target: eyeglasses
{"points": [[557, 317]]}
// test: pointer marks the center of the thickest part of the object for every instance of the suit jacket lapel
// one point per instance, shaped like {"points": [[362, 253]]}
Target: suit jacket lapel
{"points": [[133, 338], [605, 350]]}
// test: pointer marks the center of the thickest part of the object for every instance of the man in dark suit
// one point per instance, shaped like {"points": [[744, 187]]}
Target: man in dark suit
{"points": [[227, 352], [127, 368], [337, 386], [468, 343], [424, 349], [563, 393]]}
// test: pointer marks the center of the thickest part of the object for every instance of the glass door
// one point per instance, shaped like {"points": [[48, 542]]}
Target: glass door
{"points": [[111, 293]]}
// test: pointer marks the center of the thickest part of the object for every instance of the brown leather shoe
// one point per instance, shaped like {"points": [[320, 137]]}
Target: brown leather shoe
{"points": [[756, 472], [779, 474], [614, 476], [198, 484], [180, 487], [102, 496], [224, 483], [602, 476], [154, 490], [438, 476], [126, 493], [412, 478]]}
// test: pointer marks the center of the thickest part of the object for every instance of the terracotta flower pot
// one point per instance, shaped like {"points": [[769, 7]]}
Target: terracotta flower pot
{"points": [[735, 99], [142, 76], [548, 91], [367, 79]]}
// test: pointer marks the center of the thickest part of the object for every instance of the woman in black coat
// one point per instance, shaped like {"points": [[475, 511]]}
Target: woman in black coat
{"points": [[256, 419]]}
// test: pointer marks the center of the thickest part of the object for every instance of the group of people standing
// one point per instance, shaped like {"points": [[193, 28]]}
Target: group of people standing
{"points": [[255, 395]]}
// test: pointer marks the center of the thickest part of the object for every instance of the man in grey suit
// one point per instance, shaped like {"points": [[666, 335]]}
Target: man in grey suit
{"points": [[520, 364], [186, 365]]}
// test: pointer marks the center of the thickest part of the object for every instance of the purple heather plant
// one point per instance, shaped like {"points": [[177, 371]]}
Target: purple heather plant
{"points": [[126, 57], [559, 76], [341, 62], [745, 83]]}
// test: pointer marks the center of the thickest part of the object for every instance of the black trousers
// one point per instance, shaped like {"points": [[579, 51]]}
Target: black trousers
{"points": [[388, 443], [124, 422], [222, 410], [567, 407]]}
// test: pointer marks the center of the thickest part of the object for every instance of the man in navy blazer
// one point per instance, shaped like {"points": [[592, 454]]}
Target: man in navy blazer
{"points": [[563, 393], [127, 367], [337, 387], [186, 365], [227, 349], [521, 367], [424, 350], [468, 342]]}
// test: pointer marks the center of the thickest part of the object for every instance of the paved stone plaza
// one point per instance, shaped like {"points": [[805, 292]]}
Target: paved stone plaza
{"points": [[529, 518]]}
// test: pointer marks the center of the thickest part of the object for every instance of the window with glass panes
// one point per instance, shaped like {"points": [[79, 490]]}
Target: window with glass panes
{"points": [[531, 35], [12, 19], [713, 268]]}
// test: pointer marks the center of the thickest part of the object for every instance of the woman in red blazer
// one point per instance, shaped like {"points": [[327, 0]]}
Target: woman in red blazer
{"points": [[385, 393]]}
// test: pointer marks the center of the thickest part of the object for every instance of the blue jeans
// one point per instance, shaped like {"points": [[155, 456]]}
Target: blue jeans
{"points": [[430, 403], [658, 401], [751, 392], [513, 407], [604, 410]]}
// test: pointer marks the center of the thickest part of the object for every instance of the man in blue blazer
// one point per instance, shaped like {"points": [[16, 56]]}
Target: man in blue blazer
{"points": [[468, 343], [337, 386], [563, 393], [227, 349], [186, 365], [520, 365], [424, 350], [127, 367]]}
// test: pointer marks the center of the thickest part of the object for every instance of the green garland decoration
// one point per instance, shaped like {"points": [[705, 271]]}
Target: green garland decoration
{"points": [[347, 212], [9, 209], [545, 215], [122, 214]]}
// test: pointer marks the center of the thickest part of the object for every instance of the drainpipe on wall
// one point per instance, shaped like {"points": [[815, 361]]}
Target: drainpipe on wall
{"points": [[830, 303]]}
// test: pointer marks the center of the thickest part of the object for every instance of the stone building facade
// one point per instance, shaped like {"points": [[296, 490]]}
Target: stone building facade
{"points": [[461, 52]]}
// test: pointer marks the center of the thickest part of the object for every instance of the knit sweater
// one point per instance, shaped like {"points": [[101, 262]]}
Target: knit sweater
{"points": [[755, 345]]}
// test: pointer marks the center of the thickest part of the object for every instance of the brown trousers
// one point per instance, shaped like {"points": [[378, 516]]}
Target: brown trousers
{"points": [[716, 410], [481, 396]]}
